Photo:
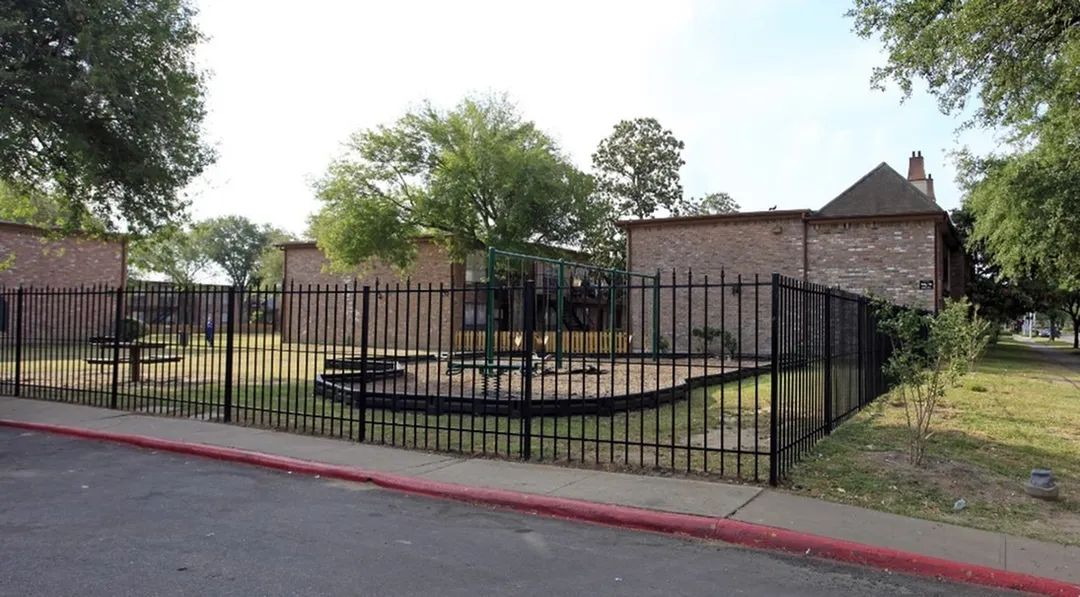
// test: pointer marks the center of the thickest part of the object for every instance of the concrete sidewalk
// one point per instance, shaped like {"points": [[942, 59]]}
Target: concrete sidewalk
{"points": [[737, 502]]}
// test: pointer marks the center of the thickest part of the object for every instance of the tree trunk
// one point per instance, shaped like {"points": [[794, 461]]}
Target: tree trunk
{"points": [[1076, 331]]}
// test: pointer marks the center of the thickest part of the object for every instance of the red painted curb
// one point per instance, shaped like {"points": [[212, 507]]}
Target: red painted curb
{"points": [[686, 525]]}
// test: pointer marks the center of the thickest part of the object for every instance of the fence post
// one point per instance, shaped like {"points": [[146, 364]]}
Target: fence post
{"points": [[230, 308], [365, 304], [828, 362], [114, 395], [774, 400], [526, 391], [861, 366], [656, 318], [18, 340]]}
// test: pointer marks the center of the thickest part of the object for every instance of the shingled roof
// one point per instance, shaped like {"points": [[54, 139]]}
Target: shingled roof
{"points": [[883, 191]]}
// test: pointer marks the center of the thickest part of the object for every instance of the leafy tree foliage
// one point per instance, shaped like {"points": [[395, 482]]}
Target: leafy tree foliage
{"points": [[177, 253], [637, 168], [1027, 208], [1000, 297], [474, 177], [1017, 58], [272, 260], [236, 245], [637, 174], [101, 104], [931, 352], [713, 203]]}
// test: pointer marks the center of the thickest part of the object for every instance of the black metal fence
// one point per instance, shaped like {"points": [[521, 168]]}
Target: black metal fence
{"points": [[747, 373]]}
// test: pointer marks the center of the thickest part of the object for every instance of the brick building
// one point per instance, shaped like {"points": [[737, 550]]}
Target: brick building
{"points": [[319, 306], [884, 235], [35, 259]]}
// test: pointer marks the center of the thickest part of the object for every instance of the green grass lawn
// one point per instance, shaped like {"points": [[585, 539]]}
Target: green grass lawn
{"points": [[1019, 410]]}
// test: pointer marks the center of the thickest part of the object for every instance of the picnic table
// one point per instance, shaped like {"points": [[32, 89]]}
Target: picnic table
{"points": [[136, 355]]}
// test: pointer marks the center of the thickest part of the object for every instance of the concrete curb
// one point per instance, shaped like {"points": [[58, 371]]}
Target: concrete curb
{"points": [[684, 525]]}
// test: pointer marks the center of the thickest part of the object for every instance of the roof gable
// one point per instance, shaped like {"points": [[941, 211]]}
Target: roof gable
{"points": [[882, 191]]}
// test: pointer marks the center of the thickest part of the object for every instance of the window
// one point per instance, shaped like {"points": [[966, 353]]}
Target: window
{"points": [[475, 316], [476, 267]]}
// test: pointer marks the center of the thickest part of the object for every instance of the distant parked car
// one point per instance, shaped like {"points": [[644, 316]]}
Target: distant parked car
{"points": [[1044, 333]]}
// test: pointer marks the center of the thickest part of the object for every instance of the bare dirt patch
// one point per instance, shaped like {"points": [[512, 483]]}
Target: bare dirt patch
{"points": [[577, 378]]}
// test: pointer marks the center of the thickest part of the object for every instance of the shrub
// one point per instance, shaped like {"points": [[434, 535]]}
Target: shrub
{"points": [[662, 344], [710, 339], [131, 329], [930, 355]]}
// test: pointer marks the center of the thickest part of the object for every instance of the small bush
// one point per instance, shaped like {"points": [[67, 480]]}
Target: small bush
{"points": [[977, 388], [662, 344], [931, 353], [711, 340], [131, 329]]}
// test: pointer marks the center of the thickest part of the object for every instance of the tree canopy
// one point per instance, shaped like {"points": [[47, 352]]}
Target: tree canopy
{"points": [[178, 253], [637, 168], [101, 103], [1017, 58], [1027, 211], [236, 245], [712, 203], [637, 173], [272, 260], [476, 176]]}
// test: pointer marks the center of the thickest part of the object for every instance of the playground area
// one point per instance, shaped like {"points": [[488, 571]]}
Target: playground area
{"points": [[581, 385]]}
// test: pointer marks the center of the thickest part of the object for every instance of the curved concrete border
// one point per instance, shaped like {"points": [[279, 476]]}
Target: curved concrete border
{"points": [[716, 529]]}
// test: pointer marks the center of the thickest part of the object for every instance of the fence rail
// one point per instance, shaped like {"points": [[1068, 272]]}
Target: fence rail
{"points": [[749, 374]]}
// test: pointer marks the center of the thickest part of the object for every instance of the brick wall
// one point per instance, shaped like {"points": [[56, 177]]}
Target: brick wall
{"points": [[958, 273], [65, 263], [698, 251], [882, 258], [323, 307], [59, 263]]}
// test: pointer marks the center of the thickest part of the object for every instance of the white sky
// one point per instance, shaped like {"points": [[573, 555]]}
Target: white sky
{"points": [[770, 96]]}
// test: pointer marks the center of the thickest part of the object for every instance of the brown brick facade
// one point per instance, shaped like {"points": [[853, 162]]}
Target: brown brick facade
{"points": [[880, 258], [324, 307], [747, 249], [70, 262], [910, 260], [41, 261]]}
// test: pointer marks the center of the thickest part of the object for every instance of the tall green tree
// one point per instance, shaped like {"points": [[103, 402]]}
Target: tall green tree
{"points": [[101, 103], [637, 173], [177, 253], [272, 260], [476, 176], [1001, 298], [236, 245], [712, 203], [637, 168], [1027, 212]]}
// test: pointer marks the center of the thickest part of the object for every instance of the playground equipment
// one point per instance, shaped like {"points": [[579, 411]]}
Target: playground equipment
{"points": [[599, 281]]}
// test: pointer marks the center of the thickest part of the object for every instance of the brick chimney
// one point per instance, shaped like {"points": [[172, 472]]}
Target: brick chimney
{"points": [[916, 174], [930, 187]]}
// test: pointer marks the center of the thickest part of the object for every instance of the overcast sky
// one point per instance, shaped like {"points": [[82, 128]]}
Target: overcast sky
{"points": [[771, 97]]}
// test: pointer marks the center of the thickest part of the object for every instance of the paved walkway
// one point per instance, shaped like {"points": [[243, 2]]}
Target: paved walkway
{"points": [[739, 502]]}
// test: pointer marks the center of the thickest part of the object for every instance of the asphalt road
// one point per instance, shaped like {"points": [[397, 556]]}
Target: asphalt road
{"points": [[92, 519]]}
